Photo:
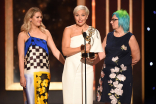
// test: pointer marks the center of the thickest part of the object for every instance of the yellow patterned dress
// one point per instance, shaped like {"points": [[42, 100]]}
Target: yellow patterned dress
{"points": [[36, 71]]}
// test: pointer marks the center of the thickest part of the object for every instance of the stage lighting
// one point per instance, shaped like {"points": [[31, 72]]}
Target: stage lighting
{"points": [[151, 63], [154, 12], [153, 88], [148, 28]]}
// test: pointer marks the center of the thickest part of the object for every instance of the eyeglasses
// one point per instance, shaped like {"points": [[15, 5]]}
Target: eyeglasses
{"points": [[114, 20]]}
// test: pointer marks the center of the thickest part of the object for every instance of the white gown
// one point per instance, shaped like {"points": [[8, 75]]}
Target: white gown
{"points": [[74, 70]]}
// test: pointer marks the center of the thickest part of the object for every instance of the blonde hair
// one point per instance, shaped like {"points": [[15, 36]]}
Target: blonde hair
{"points": [[30, 13], [81, 7]]}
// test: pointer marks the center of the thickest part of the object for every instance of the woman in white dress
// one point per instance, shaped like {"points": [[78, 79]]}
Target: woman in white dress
{"points": [[72, 46]]}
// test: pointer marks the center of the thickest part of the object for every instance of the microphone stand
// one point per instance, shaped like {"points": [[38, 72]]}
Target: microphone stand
{"points": [[84, 35]]}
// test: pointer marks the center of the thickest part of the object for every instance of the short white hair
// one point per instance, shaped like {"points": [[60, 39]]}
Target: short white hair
{"points": [[81, 7]]}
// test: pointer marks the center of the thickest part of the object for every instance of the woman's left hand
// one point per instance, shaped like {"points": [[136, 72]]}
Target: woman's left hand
{"points": [[89, 60]]}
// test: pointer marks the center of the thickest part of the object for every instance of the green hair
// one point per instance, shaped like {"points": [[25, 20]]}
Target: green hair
{"points": [[123, 18]]}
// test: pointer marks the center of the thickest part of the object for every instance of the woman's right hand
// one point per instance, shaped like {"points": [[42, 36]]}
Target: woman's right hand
{"points": [[88, 46], [23, 81]]}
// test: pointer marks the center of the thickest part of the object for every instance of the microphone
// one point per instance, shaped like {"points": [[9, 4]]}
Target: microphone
{"points": [[84, 55], [84, 34]]}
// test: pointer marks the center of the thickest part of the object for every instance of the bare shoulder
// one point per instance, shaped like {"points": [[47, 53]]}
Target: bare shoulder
{"points": [[47, 32], [132, 38], [23, 35], [133, 42], [68, 30]]}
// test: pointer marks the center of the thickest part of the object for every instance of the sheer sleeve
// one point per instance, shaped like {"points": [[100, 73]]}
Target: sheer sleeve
{"points": [[96, 45]]}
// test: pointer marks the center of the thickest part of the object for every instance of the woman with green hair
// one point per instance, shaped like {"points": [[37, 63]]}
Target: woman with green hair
{"points": [[121, 52]]}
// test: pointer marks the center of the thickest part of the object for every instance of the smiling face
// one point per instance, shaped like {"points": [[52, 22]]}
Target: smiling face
{"points": [[114, 22], [80, 17], [36, 20]]}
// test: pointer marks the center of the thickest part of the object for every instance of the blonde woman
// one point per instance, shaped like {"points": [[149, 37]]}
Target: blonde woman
{"points": [[72, 45], [34, 57]]}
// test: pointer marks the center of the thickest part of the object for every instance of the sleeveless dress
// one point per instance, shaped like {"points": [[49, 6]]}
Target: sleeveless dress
{"points": [[115, 83], [36, 71], [73, 78]]}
